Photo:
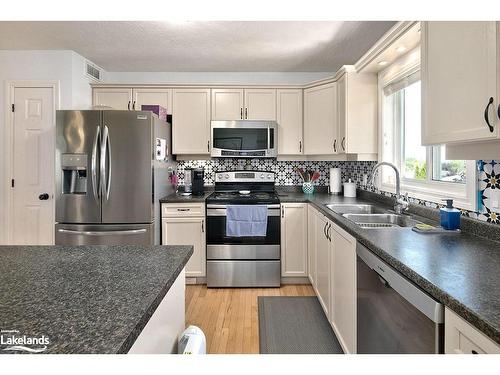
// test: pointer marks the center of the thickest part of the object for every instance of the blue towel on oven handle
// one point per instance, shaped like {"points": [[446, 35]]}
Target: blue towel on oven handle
{"points": [[246, 220]]}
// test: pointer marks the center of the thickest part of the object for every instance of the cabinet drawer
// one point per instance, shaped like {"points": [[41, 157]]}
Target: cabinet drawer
{"points": [[462, 338], [182, 209]]}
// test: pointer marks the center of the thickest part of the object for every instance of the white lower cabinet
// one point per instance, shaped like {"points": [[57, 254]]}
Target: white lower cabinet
{"points": [[312, 213], [294, 239], [183, 229], [323, 263], [343, 287], [460, 337]]}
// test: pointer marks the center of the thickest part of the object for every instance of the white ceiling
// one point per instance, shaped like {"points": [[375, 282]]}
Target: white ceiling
{"points": [[213, 46]]}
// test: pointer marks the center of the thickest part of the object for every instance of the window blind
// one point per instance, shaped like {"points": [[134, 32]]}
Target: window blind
{"points": [[401, 83]]}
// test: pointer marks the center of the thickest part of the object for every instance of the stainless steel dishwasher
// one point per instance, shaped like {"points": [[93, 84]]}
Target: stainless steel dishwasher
{"points": [[394, 315]]}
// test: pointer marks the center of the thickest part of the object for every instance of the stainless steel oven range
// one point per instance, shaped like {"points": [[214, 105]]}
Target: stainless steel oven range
{"points": [[246, 260]]}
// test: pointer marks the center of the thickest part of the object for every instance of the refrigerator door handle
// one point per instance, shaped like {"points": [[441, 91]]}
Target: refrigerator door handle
{"points": [[108, 155], [103, 233], [105, 172], [93, 165]]}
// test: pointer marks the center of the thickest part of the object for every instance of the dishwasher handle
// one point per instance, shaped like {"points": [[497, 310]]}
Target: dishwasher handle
{"points": [[404, 287]]}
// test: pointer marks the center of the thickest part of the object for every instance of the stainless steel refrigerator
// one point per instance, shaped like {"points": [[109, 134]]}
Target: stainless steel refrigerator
{"points": [[111, 170]]}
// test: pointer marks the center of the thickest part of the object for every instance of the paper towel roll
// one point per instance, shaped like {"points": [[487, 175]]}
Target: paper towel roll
{"points": [[335, 181]]}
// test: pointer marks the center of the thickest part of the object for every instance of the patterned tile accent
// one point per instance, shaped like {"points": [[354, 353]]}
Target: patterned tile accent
{"points": [[285, 174], [488, 177]]}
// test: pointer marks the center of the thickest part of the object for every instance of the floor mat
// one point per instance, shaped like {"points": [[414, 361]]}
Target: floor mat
{"points": [[295, 325]]}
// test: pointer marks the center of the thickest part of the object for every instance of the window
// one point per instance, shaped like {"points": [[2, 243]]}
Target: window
{"points": [[425, 172]]}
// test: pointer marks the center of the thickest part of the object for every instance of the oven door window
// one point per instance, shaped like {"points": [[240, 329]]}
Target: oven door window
{"points": [[216, 233], [240, 139]]}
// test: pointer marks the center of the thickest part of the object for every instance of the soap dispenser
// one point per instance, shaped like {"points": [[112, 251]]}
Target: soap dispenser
{"points": [[450, 216]]}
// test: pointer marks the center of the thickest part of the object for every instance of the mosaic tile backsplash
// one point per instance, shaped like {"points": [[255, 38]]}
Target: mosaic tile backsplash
{"points": [[487, 184], [284, 170]]}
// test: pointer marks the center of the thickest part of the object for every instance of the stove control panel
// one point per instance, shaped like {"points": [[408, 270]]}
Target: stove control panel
{"points": [[244, 176]]}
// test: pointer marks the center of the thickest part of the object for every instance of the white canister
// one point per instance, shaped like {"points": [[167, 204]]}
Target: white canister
{"points": [[350, 189]]}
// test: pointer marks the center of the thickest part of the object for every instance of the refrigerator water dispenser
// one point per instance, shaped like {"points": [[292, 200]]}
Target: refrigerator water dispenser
{"points": [[74, 168]]}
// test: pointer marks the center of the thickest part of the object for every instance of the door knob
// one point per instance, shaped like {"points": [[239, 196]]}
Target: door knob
{"points": [[43, 197]]}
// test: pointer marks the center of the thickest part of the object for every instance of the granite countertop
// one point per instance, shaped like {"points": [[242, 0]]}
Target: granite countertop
{"points": [[85, 299], [177, 198], [459, 270]]}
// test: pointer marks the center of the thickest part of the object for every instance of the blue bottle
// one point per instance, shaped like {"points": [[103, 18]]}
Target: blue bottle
{"points": [[450, 216]]}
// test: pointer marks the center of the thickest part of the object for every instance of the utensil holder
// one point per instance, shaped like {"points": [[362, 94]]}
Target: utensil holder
{"points": [[307, 187]]}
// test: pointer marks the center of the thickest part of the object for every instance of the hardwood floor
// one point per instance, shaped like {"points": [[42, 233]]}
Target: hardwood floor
{"points": [[229, 317]]}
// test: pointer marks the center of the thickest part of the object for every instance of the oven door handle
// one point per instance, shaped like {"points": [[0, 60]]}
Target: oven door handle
{"points": [[224, 206], [271, 212]]}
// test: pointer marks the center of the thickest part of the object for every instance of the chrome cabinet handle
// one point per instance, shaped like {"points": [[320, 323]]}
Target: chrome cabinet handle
{"points": [[202, 226], [498, 111], [328, 232], [128, 105], [133, 105], [93, 164], [486, 117], [282, 212], [246, 113], [43, 196], [343, 143], [183, 209], [300, 146], [324, 230], [241, 113], [335, 145], [208, 146]]}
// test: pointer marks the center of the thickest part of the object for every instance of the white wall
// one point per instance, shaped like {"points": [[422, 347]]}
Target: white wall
{"points": [[64, 66], [214, 77]]}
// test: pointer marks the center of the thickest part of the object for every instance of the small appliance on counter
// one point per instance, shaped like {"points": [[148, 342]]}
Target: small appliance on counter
{"points": [[350, 189], [197, 181], [335, 186]]}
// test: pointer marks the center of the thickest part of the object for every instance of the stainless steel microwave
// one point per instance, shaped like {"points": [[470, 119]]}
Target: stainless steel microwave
{"points": [[244, 139]]}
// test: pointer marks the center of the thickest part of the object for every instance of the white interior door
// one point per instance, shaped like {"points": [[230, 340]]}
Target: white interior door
{"points": [[32, 219]]}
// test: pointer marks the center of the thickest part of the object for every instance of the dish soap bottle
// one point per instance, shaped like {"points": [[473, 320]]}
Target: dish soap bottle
{"points": [[450, 216]]}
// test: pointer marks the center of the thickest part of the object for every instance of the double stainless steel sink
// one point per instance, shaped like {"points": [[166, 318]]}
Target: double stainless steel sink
{"points": [[371, 216]]}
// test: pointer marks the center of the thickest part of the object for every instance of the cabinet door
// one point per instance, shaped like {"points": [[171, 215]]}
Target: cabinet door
{"points": [[116, 98], [147, 96], [289, 118], [260, 104], [227, 104], [459, 76], [188, 231], [294, 239], [343, 287], [460, 337], [342, 113], [311, 244], [323, 263], [191, 121], [320, 120]]}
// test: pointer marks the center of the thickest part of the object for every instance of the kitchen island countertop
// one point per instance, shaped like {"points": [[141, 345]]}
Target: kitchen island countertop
{"points": [[85, 299]]}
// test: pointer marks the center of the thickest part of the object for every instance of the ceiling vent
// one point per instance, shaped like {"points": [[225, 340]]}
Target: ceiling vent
{"points": [[92, 71]]}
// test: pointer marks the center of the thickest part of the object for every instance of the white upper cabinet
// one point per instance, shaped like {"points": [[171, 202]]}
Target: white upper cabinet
{"points": [[191, 121], [152, 96], [294, 239], [289, 118], [357, 106], [260, 104], [116, 98], [244, 104], [321, 120], [459, 80], [227, 104]]}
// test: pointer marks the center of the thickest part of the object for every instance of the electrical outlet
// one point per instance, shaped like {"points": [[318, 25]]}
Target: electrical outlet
{"points": [[495, 200]]}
